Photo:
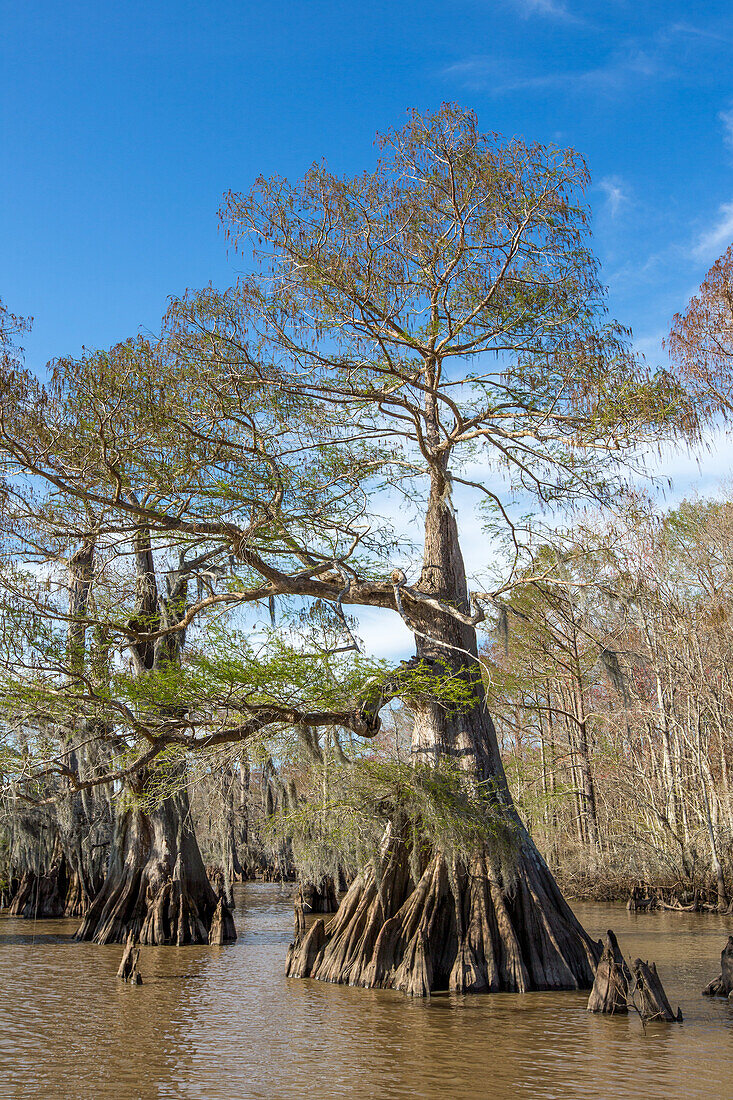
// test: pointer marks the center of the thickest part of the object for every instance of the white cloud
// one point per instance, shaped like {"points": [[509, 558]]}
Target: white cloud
{"points": [[624, 68], [726, 117], [616, 195], [689, 31], [555, 9], [713, 242]]}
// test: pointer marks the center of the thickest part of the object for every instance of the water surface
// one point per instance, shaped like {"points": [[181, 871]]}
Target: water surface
{"points": [[223, 1022]]}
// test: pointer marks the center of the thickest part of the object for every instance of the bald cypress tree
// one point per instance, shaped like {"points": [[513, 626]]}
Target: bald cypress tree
{"points": [[444, 308]]}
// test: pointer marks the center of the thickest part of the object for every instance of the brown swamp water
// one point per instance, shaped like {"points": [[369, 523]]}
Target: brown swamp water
{"points": [[224, 1022]]}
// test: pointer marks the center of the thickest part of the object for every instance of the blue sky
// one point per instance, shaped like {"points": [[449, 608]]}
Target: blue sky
{"points": [[122, 125]]}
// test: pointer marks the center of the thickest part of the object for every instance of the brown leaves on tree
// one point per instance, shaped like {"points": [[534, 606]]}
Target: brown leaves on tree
{"points": [[701, 340]]}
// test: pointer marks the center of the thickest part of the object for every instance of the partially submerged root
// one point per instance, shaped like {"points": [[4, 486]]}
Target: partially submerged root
{"points": [[222, 925], [722, 986], [467, 929]]}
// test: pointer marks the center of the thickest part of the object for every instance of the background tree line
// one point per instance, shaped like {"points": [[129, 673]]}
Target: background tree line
{"points": [[611, 678]]}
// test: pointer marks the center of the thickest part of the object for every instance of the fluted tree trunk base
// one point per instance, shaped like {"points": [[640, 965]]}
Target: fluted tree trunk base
{"points": [[467, 928], [156, 887], [40, 897], [43, 896]]}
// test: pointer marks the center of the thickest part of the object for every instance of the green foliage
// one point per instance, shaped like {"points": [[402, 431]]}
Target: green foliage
{"points": [[340, 820]]}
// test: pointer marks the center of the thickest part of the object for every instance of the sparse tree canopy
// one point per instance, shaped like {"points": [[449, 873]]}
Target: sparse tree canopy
{"points": [[701, 340]]}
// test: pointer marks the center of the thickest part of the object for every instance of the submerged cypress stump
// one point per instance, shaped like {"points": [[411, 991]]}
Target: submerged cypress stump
{"points": [[222, 925], [128, 969], [610, 992], [652, 1000], [618, 988]]}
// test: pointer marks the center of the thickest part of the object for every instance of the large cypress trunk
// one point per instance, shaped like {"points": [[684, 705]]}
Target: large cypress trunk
{"points": [[494, 922], [156, 886], [63, 890], [318, 897]]}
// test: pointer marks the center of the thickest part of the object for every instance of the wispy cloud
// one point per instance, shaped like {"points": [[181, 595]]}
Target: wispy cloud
{"points": [[554, 9], [616, 194], [726, 117], [711, 243], [483, 72], [681, 50], [688, 30]]}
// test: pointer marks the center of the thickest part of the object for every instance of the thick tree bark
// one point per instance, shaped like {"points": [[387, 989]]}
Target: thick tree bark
{"points": [[469, 930], [156, 887], [495, 923]]}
